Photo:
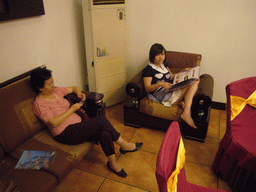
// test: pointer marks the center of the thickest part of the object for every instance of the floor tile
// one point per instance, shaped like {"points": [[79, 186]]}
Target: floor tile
{"points": [[151, 138], [92, 174], [213, 127], [125, 131], [201, 153], [140, 167], [222, 185], [200, 175], [96, 161], [115, 111], [115, 121], [77, 181], [111, 185], [223, 122]]}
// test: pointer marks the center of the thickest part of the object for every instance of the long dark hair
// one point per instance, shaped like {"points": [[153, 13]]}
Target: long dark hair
{"points": [[155, 49], [38, 78]]}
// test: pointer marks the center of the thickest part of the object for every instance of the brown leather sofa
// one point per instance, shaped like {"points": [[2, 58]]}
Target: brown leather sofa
{"points": [[141, 111], [22, 130]]}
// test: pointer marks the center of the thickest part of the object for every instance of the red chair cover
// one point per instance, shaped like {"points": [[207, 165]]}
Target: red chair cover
{"points": [[166, 163], [235, 160]]}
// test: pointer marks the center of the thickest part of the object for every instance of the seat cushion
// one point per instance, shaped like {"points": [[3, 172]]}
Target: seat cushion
{"points": [[25, 179], [76, 152], [156, 109], [62, 164], [30, 180]]}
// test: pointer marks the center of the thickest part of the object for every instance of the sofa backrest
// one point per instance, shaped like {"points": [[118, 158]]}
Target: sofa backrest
{"points": [[1, 152], [18, 121], [176, 61], [180, 60]]}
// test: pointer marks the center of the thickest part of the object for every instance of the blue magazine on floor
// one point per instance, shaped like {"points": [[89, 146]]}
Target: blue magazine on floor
{"points": [[36, 160]]}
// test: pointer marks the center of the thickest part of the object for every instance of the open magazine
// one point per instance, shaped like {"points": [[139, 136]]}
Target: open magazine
{"points": [[36, 160], [185, 78]]}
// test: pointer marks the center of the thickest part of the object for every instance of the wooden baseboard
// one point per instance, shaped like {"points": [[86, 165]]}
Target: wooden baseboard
{"points": [[218, 105]]}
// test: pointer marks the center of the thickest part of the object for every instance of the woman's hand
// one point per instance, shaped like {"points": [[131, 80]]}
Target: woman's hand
{"points": [[77, 106], [166, 85], [150, 88], [186, 69], [81, 96], [78, 92], [55, 121]]}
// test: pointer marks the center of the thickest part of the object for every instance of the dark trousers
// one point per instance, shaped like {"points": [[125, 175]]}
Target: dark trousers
{"points": [[95, 129]]}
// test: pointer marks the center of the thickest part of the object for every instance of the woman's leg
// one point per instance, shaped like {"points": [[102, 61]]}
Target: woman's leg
{"points": [[113, 164], [187, 95], [87, 131], [107, 145], [96, 129]]}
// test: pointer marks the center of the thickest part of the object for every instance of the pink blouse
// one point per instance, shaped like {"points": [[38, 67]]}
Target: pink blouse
{"points": [[45, 109]]}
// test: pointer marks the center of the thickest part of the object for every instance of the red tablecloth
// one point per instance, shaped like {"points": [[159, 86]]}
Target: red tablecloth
{"points": [[166, 163], [235, 160]]}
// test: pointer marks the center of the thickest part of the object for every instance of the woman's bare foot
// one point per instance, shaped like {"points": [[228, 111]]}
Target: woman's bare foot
{"points": [[182, 104], [187, 118]]}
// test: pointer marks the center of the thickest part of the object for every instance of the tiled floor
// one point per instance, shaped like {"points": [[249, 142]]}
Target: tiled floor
{"points": [[92, 175]]}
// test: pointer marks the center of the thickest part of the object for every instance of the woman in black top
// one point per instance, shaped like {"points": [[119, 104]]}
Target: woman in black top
{"points": [[158, 78]]}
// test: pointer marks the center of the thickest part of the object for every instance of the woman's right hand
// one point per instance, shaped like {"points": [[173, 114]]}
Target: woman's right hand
{"points": [[77, 106], [56, 121], [166, 85]]}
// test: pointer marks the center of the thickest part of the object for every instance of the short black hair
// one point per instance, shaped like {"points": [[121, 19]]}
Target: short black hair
{"points": [[155, 49], [38, 78]]}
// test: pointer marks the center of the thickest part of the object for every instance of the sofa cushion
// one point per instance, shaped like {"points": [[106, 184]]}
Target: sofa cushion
{"points": [[18, 121], [44, 182], [24, 180], [28, 180], [30, 123], [156, 109], [62, 163], [6, 164], [77, 152], [1, 152]]}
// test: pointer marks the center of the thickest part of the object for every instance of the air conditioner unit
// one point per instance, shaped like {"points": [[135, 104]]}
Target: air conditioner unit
{"points": [[105, 4], [106, 44], [108, 2]]}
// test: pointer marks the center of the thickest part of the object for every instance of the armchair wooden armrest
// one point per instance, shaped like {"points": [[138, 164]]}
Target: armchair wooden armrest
{"points": [[135, 88]]}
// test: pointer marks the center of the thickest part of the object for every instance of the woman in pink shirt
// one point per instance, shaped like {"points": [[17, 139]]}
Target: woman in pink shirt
{"points": [[69, 128]]}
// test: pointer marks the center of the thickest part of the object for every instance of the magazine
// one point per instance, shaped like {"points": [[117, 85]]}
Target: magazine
{"points": [[185, 78], [36, 160]]}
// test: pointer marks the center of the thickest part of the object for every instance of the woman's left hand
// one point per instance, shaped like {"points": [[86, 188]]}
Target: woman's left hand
{"points": [[81, 96], [186, 69]]}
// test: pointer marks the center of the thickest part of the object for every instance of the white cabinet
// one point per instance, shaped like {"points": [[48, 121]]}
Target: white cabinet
{"points": [[105, 44]]}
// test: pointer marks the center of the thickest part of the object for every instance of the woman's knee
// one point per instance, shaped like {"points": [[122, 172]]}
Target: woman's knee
{"points": [[196, 83], [105, 136]]}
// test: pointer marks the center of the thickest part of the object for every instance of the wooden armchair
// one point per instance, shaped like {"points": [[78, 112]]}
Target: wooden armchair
{"points": [[141, 111]]}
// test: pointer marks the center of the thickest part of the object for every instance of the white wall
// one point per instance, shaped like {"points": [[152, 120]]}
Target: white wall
{"points": [[224, 32], [55, 39]]}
